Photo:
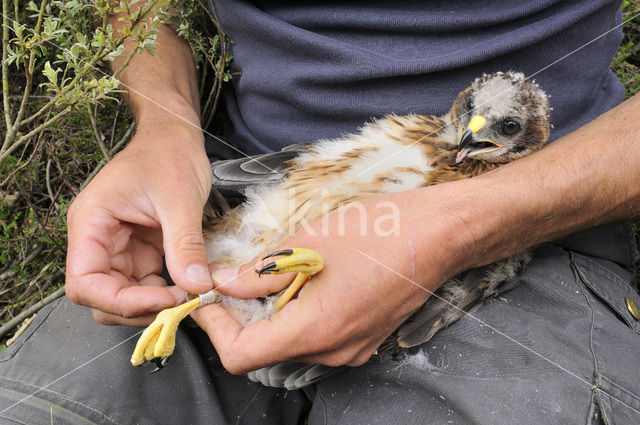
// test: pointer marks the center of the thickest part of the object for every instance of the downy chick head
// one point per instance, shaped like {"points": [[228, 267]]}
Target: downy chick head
{"points": [[501, 117]]}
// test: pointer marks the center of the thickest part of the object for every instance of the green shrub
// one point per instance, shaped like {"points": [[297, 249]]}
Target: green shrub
{"points": [[63, 118]]}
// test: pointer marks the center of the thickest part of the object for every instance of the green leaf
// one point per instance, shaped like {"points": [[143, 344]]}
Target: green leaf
{"points": [[51, 75], [75, 50], [17, 29]]}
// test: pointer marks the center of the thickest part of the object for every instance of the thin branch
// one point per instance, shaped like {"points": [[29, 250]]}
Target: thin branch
{"points": [[13, 130], [29, 281], [55, 205], [33, 132], [33, 309], [124, 139], [21, 167], [143, 13], [5, 65], [29, 71], [33, 155], [223, 62], [203, 79], [33, 96], [115, 121], [47, 179], [115, 149], [223, 56], [98, 56], [63, 176], [208, 12], [34, 281], [206, 112], [11, 273], [220, 78], [126, 62], [97, 133], [42, 227]]}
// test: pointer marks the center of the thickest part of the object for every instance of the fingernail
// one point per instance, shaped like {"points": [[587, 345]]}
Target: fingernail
{"points": [[197, 273], [223, 276]]}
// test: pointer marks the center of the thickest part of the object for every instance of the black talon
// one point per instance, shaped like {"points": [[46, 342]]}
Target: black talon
{"points": [[266, 269], [271, 266], [160, 362], [281, 252]]}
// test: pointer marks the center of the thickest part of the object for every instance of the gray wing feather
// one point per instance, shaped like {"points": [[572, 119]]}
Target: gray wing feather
{"points": [[269, 168], [458, 296], [310, 374], [454, 298], [292, 375], [231, 177]]}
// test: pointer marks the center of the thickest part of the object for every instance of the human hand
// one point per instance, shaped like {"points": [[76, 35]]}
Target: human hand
{"points": [[373, 280], [146, 202]]}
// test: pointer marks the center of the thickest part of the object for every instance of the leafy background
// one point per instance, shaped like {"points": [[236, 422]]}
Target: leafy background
{"points": [[63, 119]]}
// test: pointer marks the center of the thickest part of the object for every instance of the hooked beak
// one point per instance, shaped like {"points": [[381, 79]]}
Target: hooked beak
{"points": [[469, 145], [463, 144]]}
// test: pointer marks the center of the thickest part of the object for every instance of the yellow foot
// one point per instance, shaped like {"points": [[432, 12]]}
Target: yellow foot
{"points": [[306, 262], [158, 341]]}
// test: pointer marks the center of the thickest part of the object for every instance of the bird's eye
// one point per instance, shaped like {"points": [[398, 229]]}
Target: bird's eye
{"points": [[510, 127]]}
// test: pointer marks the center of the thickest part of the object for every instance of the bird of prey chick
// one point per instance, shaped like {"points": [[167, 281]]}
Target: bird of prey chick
{"points": [[501, 117]]}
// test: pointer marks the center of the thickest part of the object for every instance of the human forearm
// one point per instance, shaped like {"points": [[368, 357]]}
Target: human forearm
{"points": [[163, 86]]}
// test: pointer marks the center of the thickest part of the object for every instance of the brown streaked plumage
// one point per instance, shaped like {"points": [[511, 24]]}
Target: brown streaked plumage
{"points": [[501, 117]]}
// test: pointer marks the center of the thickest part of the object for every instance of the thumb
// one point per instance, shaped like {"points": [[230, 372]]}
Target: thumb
{"points": [[184, 247]]}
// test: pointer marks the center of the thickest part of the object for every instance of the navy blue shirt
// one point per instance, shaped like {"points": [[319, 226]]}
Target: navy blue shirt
{"points": [[311, 70]]}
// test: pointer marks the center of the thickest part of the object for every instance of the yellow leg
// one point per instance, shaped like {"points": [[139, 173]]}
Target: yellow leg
{"points": [[293, 289], [306, 262]]}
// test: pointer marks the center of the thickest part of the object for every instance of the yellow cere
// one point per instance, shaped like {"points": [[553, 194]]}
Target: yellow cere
{"points": [[476, 123]]}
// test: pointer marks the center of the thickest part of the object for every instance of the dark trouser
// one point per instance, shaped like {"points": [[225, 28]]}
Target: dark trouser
{"points": [[558, 346]]}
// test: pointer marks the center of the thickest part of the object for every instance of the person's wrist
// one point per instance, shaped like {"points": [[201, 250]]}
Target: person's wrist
{"points": [[454, 230], [496, 215], [169, 110], [179, 128], [174, 145]]}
